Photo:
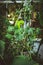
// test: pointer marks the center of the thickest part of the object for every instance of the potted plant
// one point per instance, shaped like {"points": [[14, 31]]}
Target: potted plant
{"points": [[21, 41]]}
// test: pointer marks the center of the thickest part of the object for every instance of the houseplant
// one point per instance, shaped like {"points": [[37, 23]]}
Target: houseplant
{"points": [[21, 40]]}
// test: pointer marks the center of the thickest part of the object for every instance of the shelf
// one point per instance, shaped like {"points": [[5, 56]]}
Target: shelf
{"points": [[18, 1], [6, 1]]}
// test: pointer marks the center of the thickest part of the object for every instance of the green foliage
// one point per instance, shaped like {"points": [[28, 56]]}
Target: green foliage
{"points": [[19, 23], [21, 39], [27, 8], [9, 36], [10, 29]]}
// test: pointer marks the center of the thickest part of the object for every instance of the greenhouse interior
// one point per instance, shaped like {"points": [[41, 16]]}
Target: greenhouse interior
{"points": [[21, 32]]}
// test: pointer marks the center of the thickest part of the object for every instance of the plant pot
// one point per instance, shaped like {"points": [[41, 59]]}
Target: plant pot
{"points": [[22, 60]]}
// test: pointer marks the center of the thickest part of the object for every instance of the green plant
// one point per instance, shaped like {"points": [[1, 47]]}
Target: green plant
{"points": [[21, 39], [27, 8]]}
